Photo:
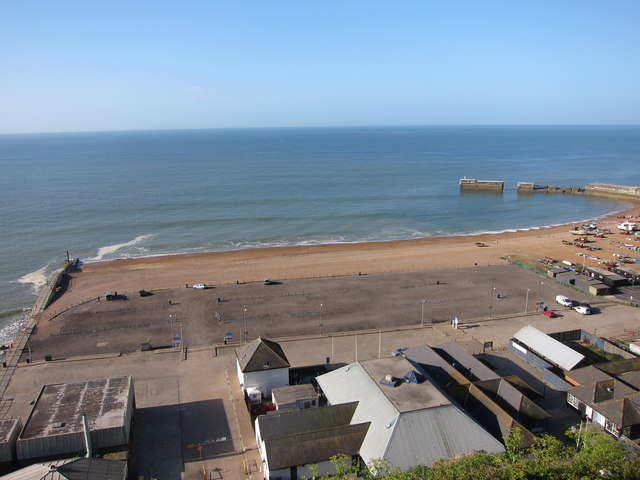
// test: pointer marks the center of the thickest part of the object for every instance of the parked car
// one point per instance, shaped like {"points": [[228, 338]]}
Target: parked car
{"points": [[549, 313], [562, 300], [399, 351], [200, 286], [583, 309]]}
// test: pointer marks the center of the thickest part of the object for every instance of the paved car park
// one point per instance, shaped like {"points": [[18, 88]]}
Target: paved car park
{"points": [[317, 306]]}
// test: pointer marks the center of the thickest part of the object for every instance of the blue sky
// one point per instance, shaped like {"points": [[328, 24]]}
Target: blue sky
{"points": [[131, 65]]}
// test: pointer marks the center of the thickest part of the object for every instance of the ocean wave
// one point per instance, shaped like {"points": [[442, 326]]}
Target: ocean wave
{"points": [[110, 249], [10, 328], [37, 279]]}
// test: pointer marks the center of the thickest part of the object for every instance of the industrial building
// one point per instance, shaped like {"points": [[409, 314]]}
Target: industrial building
{"points": [[9, 431], [55, 427]]}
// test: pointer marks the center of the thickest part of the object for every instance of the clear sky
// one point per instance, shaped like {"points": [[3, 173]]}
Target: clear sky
{"points": [[136, 64]]}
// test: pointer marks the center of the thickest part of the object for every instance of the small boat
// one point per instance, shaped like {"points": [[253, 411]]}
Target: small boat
{"points": [[578, 232], [628, 226]]}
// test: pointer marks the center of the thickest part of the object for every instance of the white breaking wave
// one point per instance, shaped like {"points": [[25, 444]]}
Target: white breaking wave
{"points": [[109, 249], [37, 278]]}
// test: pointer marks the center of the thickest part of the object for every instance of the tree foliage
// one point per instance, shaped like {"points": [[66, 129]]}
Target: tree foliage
{"points": [[595, 455]]}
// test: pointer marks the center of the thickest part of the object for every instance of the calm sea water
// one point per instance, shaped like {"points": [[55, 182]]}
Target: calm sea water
{"points": [[110, 195]]}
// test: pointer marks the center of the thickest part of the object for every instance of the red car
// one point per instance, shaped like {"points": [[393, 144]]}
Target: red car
{"points": [[549, 313]]}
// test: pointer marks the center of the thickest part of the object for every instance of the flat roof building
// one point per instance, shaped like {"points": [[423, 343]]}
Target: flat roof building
{"points": [[55, 426]]}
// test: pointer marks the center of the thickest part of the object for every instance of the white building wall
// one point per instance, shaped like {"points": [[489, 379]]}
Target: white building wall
{"points": [[265, 380]]}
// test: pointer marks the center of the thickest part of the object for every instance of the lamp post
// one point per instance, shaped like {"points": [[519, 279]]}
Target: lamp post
{"points": [[321, 324], [422, 318], [493, 289], [526, 302], [244, 317]]}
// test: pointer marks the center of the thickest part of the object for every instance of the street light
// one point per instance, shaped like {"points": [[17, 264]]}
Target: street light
{"points": [[493, 289], [422, 321], [526, 302], [321, 325], [244, 317]]}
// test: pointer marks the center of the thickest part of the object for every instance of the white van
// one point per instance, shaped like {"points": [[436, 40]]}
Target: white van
{"points": [[562, 300]]}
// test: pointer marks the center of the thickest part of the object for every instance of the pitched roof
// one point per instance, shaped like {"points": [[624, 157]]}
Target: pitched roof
{"points": [[549, 348], [261, 354], [300, 421], [312, 447], [467, 364], [312, 435], [412, 423], [72, 469], [586, 375]]}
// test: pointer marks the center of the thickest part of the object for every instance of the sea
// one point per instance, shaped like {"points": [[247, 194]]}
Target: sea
{"points": [[108, 195]]}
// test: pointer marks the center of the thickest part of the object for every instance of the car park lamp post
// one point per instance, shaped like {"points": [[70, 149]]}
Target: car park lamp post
{"points": [[526, 302], [422, 318], [244, 317], [321, 325], [493, 289]]}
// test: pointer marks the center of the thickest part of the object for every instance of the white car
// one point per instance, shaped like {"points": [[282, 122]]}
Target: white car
{"points": [[562, 300], [200, 286], [583, 309]]}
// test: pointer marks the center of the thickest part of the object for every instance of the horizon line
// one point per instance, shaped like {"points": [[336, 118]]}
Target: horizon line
{"points": [[301, 127]]}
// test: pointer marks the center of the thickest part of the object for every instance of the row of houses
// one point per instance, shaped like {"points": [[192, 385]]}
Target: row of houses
{"points": [[606, 394]]}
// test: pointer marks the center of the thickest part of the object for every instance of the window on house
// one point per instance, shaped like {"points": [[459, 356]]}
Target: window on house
{"points": [[307, 404], [265, 363], [573, 401]]}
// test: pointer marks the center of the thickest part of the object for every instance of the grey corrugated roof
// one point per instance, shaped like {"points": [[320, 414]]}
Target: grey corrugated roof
{"points": [[424, 436], [549, 348], [72, 469], [312, 447], [261, 354], [442, 427], [468, 365], [308, 420]]}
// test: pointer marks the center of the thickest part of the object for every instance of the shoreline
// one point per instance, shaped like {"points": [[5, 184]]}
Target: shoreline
{"points": [[611, 214], [325, 260]]}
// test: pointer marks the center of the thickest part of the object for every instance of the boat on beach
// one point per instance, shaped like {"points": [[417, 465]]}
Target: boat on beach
{"points": [[627, 226], [578, 232]]}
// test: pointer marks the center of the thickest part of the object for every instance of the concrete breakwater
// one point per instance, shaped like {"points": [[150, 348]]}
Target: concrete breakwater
{"points": [[601, 189], [484, 185], [10, 357]]}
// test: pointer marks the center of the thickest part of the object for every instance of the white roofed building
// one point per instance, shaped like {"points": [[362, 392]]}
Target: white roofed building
{"points": [[410, 423], [548, 348]]}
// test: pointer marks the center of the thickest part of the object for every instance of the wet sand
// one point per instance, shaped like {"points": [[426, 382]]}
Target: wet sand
{"points": [[280, 263]]}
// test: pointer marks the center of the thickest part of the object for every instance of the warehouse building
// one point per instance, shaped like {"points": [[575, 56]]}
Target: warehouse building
{"points": [[55, 427]]}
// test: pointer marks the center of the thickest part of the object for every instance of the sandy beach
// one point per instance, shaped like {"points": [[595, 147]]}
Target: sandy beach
{"points": [[250, 265]]}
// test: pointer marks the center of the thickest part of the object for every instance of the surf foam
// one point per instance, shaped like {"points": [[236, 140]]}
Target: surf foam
{"points": [[109, 249]]}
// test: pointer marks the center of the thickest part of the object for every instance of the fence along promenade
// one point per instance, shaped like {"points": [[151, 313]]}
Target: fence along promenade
{"points": [[11, 356]]}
